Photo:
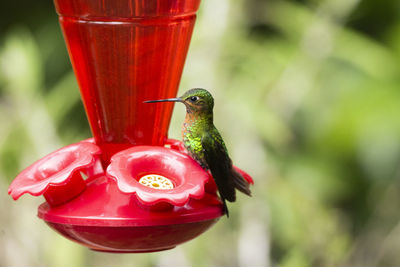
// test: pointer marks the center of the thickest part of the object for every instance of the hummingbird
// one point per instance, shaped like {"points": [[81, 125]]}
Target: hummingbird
{"points": [[205, 144]]}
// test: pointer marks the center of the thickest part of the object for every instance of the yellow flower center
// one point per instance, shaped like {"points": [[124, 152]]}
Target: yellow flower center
{"points": [[156, 181]]}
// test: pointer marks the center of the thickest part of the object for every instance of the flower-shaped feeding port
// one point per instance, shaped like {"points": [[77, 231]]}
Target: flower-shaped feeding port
{"points": [[133, 167], [58, 176]]}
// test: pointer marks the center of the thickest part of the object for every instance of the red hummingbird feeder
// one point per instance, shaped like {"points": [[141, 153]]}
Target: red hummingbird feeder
{"points": [[129, 188]]}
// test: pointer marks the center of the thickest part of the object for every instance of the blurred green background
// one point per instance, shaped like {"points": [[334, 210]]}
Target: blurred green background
{"points": [[307, 98]]}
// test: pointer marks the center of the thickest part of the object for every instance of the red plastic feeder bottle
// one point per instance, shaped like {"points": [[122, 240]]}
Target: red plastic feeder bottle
{"points": [[130, 188], [125, 52]]}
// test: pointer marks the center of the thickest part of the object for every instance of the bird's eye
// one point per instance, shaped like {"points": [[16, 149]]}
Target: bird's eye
{"points": [[194, 98]]}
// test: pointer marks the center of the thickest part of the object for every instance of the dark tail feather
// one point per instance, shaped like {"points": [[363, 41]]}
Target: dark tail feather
{"points": [[225, 207], [240, 183]]}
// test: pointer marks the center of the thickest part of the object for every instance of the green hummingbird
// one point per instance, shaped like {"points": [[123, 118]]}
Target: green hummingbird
{"points": [[205, 144]]}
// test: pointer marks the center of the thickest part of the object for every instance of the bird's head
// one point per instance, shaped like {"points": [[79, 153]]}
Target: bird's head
{"points": [[196, 100]]}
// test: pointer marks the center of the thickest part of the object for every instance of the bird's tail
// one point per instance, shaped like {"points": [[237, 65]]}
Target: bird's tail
{"points": [[225, 207], [240, 183]]}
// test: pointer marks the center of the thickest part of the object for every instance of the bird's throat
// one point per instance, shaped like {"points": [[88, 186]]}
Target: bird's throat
{"points": [[198, 121]]}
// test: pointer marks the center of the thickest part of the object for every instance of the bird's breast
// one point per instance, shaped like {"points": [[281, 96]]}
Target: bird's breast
{"points": [[192, 142]]}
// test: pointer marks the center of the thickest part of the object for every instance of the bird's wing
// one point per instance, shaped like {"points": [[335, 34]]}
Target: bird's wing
{"points": [[219, 163]]}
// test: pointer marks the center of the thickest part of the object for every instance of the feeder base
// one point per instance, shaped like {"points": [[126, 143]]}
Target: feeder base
{"points": [[132, 239], [104, 219], [145, 251]]}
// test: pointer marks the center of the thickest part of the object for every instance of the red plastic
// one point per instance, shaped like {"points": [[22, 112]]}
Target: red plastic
{"points": [[125, 52], [58, 175], [103, 218], [128, 166], [57, 195]]}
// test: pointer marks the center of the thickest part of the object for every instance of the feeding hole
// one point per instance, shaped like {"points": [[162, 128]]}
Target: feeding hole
{"points": [[156, 181]]}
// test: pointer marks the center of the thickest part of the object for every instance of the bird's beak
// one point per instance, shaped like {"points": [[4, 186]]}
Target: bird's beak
{"points": [[164, 100]]}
